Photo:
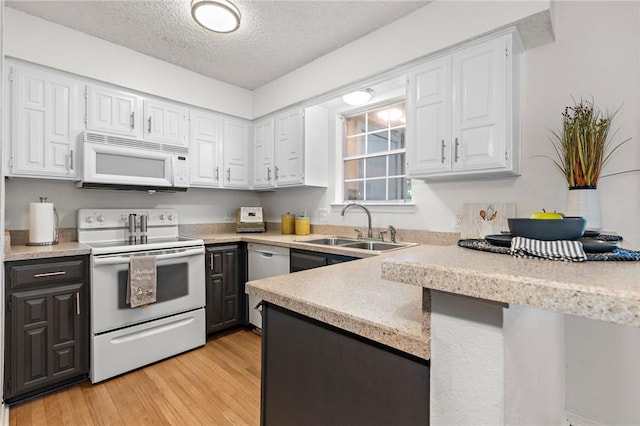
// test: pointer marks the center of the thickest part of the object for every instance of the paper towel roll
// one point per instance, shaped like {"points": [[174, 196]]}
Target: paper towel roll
{"points": [[42, 224]]}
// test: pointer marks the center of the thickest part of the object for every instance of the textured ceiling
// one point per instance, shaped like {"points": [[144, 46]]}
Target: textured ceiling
{"points": [[275, 37]]}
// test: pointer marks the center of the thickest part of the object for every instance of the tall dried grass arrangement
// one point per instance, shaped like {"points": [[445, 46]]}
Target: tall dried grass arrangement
{"points": [[583, 145]]}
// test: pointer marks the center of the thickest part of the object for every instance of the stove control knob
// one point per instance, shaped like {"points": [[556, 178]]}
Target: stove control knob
{"points": [[90, 219], [100, 219], [170, 218], [161, 217]]}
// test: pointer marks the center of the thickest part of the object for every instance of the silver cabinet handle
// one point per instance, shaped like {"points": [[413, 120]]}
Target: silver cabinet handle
{"points": [[211, 261], [456, 153], [277, 173], [229, 174], [71, 159], [132, 120], [268, 174], [49, 274], [77, 303], [217, 174], [442, 152], [149, 124]]}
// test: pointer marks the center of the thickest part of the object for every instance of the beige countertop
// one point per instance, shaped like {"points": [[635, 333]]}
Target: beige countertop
{"points": [[353, 297], [24, 252], [350, 296], [606, 291]]}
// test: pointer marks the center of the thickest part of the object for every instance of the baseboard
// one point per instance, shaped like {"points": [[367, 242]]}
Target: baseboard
{"points": [[4, 414], [574, 419]]}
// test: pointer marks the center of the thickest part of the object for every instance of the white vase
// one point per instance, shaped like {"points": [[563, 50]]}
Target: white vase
{"points": [[585, 202]]}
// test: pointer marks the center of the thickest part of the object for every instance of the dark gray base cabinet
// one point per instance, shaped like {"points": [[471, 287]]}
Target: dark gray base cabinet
{"points": [[47, 325], [315, 374], [225, 305], [300, 260]]}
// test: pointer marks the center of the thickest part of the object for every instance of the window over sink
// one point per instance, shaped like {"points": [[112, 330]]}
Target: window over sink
{"points": [[373, 155]]}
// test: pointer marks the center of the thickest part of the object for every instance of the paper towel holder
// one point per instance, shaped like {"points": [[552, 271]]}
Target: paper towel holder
{"points": [[55, 229]]}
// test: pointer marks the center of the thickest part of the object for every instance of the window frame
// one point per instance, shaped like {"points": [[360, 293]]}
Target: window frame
{"points": [[340, 193]]}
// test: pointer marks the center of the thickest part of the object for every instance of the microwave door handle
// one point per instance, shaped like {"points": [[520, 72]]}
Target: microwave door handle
{"points": [[117, 260]]}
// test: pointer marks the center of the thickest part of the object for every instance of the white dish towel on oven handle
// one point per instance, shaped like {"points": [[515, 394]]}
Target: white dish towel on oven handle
{"points": [[143, 281]]}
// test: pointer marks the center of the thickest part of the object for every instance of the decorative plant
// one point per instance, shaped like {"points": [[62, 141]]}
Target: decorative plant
{"points": [[584, 145]]}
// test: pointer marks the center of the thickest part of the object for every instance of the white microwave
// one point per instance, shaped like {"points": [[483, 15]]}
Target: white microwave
{"points": [[123, 163]]}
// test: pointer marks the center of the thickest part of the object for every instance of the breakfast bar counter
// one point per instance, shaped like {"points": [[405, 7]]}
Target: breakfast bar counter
{"points": [[606, 291]]}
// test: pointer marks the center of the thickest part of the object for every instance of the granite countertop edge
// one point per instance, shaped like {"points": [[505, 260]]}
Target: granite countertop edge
{"points": [[605, 291]]}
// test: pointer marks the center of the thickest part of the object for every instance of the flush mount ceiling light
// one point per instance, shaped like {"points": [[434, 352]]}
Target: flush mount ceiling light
{"points": [[359, 97], [220, 16]]}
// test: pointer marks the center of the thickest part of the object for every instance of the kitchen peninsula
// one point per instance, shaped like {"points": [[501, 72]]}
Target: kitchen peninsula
{"points": [[490, 322]]}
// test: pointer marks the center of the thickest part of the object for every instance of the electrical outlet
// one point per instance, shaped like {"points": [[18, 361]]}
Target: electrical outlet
{"points": [[457, 221], [228, 215], [323, 214]]}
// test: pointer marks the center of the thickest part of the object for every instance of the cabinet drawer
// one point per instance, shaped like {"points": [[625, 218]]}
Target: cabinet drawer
{"points": [[23, 275]]}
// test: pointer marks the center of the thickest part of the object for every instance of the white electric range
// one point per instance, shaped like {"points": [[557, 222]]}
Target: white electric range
{"points": [[125, 338]]}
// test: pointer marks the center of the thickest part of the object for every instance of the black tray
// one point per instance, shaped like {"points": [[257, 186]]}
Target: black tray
{"points": [[590, 245]]}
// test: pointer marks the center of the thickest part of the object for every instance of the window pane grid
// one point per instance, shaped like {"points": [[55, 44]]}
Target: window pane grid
{"points": [[374, 155]]}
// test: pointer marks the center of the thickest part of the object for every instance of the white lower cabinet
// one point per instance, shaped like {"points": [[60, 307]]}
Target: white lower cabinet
{"points": [[45, 121], [205, 148], [462, 112]]}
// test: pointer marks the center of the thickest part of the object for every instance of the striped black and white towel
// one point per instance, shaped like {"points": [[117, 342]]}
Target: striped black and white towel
{"points": [[569, 251]]}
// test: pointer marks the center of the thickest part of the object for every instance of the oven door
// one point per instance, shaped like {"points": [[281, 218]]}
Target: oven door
{"points": [[180, 287], [119, 165]]}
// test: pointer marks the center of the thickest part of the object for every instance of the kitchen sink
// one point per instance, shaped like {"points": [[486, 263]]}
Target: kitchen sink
{"points": [[357, 244], [376, 245], [331, 241]]}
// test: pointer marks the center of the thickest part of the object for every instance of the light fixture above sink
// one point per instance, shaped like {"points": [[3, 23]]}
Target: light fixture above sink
{"points": [[358, 97]]}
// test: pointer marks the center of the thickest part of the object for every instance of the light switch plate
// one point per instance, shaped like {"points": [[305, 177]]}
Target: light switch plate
{"points": [[323, 215]]}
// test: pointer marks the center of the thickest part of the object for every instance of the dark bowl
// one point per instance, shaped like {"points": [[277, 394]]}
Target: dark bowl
{"points": [[569, 228]]}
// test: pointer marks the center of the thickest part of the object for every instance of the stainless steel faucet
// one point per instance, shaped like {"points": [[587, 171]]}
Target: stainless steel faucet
{"points": [[369, 230]]}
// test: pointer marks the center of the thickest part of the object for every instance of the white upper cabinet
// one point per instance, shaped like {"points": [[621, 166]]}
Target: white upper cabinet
{"points": [[263, 154], [289, 145], [166, 122], [236, 153], [463, 112], [113, 111], [45, 121], [429, 117], [205, 148], [301, 147]]}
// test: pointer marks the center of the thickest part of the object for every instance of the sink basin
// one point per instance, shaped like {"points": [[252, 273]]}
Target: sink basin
{"points": [[330, 241], [375, 245]]}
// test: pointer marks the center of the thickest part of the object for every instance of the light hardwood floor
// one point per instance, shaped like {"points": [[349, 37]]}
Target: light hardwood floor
{"points": [[218, 384]]}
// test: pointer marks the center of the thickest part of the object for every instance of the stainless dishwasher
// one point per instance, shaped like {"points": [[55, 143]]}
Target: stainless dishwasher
{"points": [[264, 262]]}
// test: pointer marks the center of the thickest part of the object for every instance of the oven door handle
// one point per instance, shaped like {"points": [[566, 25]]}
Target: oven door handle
{"points": [[99, 261]]}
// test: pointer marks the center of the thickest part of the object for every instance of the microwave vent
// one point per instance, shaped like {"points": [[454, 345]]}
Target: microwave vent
{"points": [[133, 143]]}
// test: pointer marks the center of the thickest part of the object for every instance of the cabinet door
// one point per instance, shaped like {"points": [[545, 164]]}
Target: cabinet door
{"points": [[289, 148], [45, 124], [236, 153], [263, 151], [165, 122], [113, 111], [429, 118], [48, 336], [479, 106], [223, 289], [205, 149]]}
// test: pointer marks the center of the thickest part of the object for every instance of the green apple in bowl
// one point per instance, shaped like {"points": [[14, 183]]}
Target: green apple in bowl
{"points": [[547, 215]]}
